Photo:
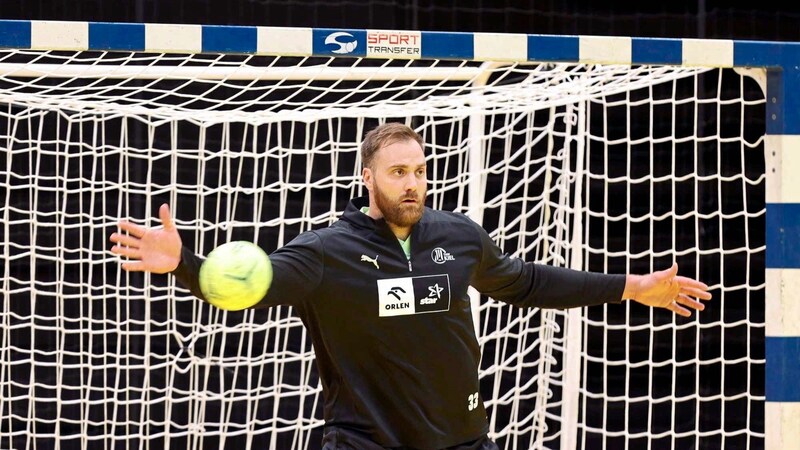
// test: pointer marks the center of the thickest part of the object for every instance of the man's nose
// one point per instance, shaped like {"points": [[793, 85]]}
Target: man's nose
{"points": [[411, 182]]}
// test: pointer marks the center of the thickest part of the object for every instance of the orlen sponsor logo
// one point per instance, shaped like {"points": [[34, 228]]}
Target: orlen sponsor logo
{"points": [[413, 295], [395, 44]]}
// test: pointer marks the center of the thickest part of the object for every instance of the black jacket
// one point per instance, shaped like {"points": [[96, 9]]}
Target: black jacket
{"points": [[393, 337]]}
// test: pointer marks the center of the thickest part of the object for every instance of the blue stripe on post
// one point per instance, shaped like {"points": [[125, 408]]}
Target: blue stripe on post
{"points": [[783, 80], [15, 33], [775, 109], [448, 45], [783, 230], [782, 377], [791, 100], [554, 48], [656, 51], [230, 39], [758, 54], [116, 36]]}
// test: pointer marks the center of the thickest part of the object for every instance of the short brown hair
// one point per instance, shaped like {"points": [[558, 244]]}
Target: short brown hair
{"points": [[383, 135]]}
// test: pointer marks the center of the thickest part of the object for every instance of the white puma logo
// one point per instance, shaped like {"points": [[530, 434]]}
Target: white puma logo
{"points": [[373, 261]]}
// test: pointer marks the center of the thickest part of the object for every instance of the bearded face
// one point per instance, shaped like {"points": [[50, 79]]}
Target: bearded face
{"points": [[404, 210], [398, 184]]}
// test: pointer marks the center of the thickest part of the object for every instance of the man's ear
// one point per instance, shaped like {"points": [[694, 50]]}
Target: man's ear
{"points": [[366, 176]]}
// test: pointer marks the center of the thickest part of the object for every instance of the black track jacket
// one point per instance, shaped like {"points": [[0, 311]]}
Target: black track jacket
{"points": [[394, 339]]}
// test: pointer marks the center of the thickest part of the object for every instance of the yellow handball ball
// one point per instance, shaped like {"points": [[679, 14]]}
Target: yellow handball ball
{"points": [[236, 275]]}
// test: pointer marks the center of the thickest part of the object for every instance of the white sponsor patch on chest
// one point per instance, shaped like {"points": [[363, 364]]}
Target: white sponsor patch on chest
{"points": [[413, 295]]}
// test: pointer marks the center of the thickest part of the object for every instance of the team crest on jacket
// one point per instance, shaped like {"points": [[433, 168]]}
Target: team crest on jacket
{"points": [[413, 295], [441, 256]]}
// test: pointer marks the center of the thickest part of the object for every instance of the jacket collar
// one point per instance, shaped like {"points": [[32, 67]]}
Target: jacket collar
{"points": [[354, 215]]}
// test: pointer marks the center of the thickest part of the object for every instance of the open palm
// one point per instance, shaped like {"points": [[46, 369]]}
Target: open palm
{"points": [[665, 289], [156, 250]]}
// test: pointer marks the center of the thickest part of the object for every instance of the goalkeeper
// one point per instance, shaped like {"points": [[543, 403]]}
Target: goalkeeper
{"points": [[383, 295]]}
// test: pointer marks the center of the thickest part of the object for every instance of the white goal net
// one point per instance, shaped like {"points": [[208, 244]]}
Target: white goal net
{"points": [[605, 168]]}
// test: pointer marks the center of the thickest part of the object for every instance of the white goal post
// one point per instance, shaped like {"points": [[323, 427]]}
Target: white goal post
{"points": [[597, 153]]}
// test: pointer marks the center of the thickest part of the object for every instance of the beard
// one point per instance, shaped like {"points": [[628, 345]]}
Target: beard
{"points": [[398, 213]]}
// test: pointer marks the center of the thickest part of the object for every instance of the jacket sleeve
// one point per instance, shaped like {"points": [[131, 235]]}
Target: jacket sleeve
{"points": [[296, 271], [526, 284], [188, 272]]}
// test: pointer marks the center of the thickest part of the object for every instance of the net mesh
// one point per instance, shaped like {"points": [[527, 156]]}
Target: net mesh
{"points": [[604, 168]]}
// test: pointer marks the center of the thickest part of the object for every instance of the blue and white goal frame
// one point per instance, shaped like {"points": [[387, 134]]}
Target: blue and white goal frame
{"points": [[780, 61]]}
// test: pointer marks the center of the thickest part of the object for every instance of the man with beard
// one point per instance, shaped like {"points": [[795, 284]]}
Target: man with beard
{"points": [[383, 295]]}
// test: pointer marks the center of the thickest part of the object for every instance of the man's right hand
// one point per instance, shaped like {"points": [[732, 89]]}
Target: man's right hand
{"points": [[156, 250]]}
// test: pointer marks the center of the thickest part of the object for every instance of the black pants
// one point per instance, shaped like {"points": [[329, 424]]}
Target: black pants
{"points": [[335, 438]]}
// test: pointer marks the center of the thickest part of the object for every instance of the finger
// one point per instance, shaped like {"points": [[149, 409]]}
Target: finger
{"points": [[667, 274], [679, 310], [166, 218], [690, 302], [692, 292], [125, 240], [132, 228], [127, 252], [133, 266], [689, 282], [673, 270]]}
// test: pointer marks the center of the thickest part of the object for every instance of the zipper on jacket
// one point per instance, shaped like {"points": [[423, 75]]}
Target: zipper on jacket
{"points": [[403, 252]]}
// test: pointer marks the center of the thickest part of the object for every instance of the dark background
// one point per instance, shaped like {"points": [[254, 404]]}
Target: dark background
{"points": [[702, 19], [763, 20]]}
